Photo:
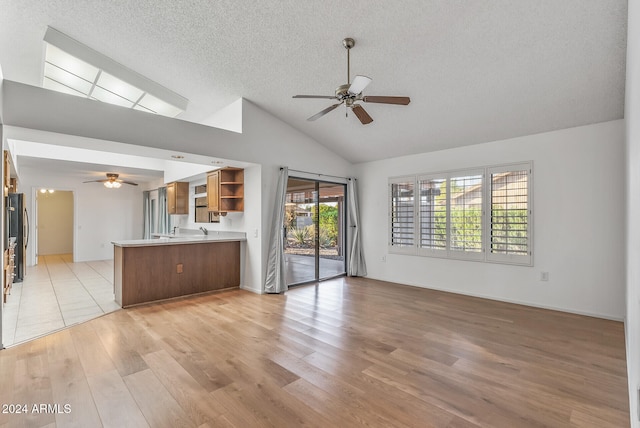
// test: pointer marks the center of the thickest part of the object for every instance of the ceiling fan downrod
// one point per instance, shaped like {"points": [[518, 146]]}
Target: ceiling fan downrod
{"points": [[348, 43]]}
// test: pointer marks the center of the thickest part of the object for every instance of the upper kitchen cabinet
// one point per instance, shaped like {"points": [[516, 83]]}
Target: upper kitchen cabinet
{"points": [[225, 190], [178, 197], [213, 191]]}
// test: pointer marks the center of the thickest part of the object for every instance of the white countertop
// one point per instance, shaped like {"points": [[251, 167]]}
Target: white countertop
{"points": [[183, 238]]}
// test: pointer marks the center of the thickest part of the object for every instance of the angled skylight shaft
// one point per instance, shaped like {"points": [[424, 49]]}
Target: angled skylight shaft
{"points": [[76, 69]]}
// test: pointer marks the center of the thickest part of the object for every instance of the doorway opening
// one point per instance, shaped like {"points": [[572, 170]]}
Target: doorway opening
{"points": [[315, 224], [54, 223]]}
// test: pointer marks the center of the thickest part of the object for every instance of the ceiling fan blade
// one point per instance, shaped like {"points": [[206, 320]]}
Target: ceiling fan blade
{"points": [[358, 84], [128, 182], [387, 100], [361, 114], [324, 97], [323, 112], [95, 181]]}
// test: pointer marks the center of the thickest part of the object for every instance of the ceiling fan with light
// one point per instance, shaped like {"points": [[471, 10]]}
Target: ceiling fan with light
{"points": [[112, 181], [350, 93]]}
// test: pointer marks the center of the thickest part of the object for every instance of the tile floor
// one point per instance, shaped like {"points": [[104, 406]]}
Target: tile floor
{"points": [[55, 294]]}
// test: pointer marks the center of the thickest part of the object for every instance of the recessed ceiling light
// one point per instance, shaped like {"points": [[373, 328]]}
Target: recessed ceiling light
{"points": [[217, 162], [76, 69], [177, 156]]}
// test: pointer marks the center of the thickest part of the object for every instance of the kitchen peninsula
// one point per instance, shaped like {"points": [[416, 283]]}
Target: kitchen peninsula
{"points": [[146, 270]]}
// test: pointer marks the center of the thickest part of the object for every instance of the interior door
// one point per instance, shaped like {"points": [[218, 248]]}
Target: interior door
{"points": [[55, 219]]}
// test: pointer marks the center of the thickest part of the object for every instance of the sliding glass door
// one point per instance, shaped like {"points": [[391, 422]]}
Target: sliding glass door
{"points": [[314, 230]]}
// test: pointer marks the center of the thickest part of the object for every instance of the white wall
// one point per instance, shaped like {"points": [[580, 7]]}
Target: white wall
{"points": [[101, 215], [632, 118], [1, 102], [229, 118], [578, 222], [177, 171], [276, 144], [55, 223]]}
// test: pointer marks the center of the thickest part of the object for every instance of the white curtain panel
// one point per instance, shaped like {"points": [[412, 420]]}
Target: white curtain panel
{"points": [[164, 219], [146, 211], [275, 281], [357, 265]]}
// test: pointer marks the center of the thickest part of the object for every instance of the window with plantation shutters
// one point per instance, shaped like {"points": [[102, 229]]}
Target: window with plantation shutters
{"points": [[402, 209], [481, 214], [510, 214]]}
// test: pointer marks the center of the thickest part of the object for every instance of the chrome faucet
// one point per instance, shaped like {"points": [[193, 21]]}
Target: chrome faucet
{"points": [[205, 231], [174, 229]]}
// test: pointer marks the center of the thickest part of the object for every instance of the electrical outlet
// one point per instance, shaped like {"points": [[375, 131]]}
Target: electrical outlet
{"points": [[544, 276], [383, 259]]}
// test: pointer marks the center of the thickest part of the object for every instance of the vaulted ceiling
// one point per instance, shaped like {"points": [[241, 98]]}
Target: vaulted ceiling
{"points": [[476, 71]]}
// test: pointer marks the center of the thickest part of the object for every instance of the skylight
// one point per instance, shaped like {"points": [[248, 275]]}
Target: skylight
{"points": [[76, 69]]}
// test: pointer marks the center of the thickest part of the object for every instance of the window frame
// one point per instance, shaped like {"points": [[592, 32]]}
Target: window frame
{"points": [[485, 254]]}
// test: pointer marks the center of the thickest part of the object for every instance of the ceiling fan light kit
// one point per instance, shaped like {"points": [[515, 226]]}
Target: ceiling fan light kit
{"points": [[112, 181], [350, 93]]}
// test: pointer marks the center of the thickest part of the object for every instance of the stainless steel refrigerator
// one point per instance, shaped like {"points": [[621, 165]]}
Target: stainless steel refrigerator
{"points": [[18, 228]]}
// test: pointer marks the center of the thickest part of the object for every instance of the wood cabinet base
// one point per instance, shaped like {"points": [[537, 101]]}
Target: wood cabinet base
{"points": [[149, 273]]}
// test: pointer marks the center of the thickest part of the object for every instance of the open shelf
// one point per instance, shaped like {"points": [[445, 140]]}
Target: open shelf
{"points": [[228, 195]]}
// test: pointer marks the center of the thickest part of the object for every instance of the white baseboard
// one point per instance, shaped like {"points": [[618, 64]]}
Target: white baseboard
{"points": [[514, 301]]}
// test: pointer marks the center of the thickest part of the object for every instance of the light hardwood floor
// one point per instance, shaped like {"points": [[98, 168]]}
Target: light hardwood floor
{"points": [[346, 352]]}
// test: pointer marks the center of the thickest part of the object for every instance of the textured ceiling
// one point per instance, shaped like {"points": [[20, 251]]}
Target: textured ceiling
{"points": [[476, 71]]}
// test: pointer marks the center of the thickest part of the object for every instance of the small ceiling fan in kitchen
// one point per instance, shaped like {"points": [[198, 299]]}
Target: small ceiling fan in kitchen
{"points": [[112, 181], [351, 93]]}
